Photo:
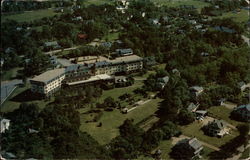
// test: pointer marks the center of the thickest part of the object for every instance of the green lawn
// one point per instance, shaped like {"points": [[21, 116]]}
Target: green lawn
{"points": [[116, 92], [242, 16], [29, 16], [194, 130], [175, 3], [165, 146], [111, 36], [206, 152], [112, 120], [96, 2], [10, 105], [221, 112], [245, 154], [10, 74]]}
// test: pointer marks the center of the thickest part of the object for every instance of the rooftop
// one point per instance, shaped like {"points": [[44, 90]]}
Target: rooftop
{"points": [[245, 106], [92, 79], [49, 75]]}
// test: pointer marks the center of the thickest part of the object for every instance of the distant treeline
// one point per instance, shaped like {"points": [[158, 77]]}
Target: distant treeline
{"points": [[18, 6]]}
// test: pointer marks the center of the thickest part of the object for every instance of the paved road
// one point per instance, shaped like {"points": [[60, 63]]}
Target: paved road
{"points": [[59, 50], [8, 87]]}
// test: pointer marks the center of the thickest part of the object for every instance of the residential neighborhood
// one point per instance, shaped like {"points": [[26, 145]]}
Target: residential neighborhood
{"points": [[125, 79]]}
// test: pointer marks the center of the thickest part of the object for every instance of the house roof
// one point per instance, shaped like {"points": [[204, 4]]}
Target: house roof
{"points": [[5, 120], [244, 107], [53, 43], [224, 29], [126, 59], [49, 75], [194, 143], [92, 79], [124, 51], [191, 107], [76, 67], [219, 124], [163, 79], [196, 88]]}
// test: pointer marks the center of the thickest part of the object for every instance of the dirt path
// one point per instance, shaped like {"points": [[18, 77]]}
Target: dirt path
{"points": [[131, 109], [149, 123], [59, 50]]}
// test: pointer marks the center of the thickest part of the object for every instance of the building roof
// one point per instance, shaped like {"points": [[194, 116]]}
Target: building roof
{"points": [[224, 29], [219, 124], [196, 88], [194, 143], [127, 51], [244, 107], [5, 120], [191, 107], [76, 67], [64, 62], [92, 79], [126, 59], [49, 75], [163, 79], [53, 43]]}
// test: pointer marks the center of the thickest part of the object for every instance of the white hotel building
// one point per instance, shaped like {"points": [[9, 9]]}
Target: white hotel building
{"points": [[48, 82]]}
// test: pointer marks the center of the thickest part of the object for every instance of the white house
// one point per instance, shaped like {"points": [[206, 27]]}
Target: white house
{"points": [[5, 124]]}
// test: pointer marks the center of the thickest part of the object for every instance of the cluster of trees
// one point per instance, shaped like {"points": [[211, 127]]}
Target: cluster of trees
{"points": [[231, 148], [51, 133], [218, 7], [17, 6], [79, 97], [133, 141]]}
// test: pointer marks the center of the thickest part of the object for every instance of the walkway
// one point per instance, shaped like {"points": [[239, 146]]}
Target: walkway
{"points": [[59, 50], [140, 104]]}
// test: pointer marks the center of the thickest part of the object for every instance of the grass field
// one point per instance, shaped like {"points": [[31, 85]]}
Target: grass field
{"points": [[175, 3], [221, 112], [194, 129], [10, 74], [29, 15], [165, 146], [242, 16], [112, 120], [245, 154], [116, 92], [96, 2], [111, 36]]}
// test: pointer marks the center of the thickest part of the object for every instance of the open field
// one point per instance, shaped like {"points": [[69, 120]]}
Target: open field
{"points": [[10, 74], [12, 103], [111, 36], [29, 15], [112, 120], [242, 16], [175, 3], [194, 130], [96, 2], [116, 92], [165, 146], [221, 112]]}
